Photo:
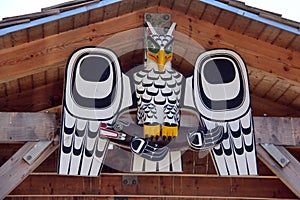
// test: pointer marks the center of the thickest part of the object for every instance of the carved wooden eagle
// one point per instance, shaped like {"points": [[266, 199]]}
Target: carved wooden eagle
{"points": [[97, 94]]}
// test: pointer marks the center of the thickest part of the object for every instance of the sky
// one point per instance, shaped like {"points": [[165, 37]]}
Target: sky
{"points": [[288, 8]]}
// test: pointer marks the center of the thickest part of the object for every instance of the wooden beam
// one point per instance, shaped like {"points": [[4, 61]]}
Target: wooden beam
{"points": [[37, 99], [23, 127], [270, 58], [277, 130], [289, 175], [154, 186], [33, 57], [263, 106], [15, 170]]}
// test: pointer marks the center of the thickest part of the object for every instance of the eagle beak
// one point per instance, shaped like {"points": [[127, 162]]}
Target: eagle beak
{"points": [[161, 60]]}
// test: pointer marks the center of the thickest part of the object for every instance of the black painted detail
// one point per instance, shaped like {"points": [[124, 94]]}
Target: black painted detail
{"points": [[152, 93], [236, 134], [218, 151], [68, 131], [163, 102], [239, 151], [92, 102], [158, 86], [246, 131], [249, 148], [228, 151], [77, 152], [92, 134], [95, 69], [147, 84], [79, 133], [171, 85], [66, 149], [166, 93], [221, 104], [219, 71]]}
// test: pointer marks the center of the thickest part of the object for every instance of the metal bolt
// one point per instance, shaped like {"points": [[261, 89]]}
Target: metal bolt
{"points": [[148, 17], [29, 157], [166, 17], [282, 160]]}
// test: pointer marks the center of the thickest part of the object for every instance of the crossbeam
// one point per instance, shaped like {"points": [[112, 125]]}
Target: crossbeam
{"points": [[25, 127], [16, 169], [289, 175]]}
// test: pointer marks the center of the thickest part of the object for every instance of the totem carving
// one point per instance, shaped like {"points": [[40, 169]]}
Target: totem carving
{"points": [[99, 99]]}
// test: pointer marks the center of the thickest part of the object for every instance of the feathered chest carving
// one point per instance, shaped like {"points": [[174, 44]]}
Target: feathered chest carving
{"points": [[158, 94]]}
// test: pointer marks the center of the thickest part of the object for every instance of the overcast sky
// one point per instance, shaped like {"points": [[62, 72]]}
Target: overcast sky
{"points": [[289, 8]]}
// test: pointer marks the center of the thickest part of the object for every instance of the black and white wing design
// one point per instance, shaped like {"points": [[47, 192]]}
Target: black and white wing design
{"points": [[220, 92], [95, 91]]}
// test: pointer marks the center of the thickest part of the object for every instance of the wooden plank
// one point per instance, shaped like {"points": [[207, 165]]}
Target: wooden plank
{"points": [[277, 90], [271, 58], [262, 106], [296, 131], [66, 24], [211, 14], [277, 130], [139, 4], [254, 29], [239, 24], [22, 127], [290, 95], [35, 55], [289, 174], [37, 99], [182, 5], [51, 75], [111, 11], [81, 19], [39, 79], [174, 186], [153, 3], [295, 45], [2, 90], [284, 39], [125, 7], [196, 9], [167, 3], [296, 102], [15, 170], [264, 86], [269, 33], [19, 37], [35, 33], [12, 87], [96, 15], [255, 78], [203, 32], [225, 19], [50, 28], [25, 83], [7, 41]]}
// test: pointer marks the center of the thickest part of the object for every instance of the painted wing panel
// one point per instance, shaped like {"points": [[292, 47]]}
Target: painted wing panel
{"points": [[222, 97], [95, 92]]}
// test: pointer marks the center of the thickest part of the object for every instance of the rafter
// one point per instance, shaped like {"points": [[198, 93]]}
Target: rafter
{"points": [[24, 127]]}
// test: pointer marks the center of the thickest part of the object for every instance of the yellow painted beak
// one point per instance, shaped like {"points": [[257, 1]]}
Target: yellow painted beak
{"points": [[161, 60]]}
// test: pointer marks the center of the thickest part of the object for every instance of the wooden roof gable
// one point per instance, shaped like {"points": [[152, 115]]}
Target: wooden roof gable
{"points": [[33, 54]]}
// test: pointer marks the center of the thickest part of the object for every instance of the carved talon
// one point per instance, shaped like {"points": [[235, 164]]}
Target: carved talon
{"points": [[169, 131], [151, 130]]}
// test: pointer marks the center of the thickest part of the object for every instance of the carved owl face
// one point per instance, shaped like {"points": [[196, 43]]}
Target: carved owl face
{"points": [[160, 47]]}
